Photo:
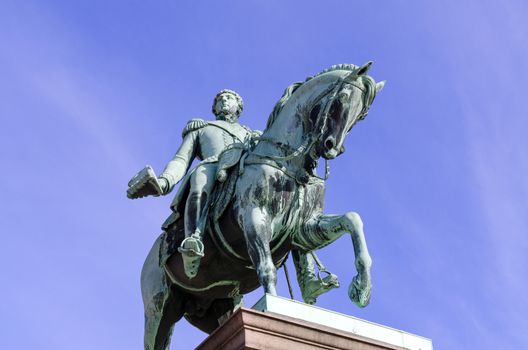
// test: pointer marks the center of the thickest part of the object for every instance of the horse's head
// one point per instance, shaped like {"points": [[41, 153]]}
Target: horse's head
{"points": [[327, 105], [344, 102]]}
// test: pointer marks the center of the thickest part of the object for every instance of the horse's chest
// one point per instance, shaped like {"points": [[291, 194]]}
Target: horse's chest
{"points": [[312, 200], [281, 193]]}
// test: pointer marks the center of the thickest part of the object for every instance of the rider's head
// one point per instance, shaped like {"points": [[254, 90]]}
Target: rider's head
{"points": [[227, 105]]}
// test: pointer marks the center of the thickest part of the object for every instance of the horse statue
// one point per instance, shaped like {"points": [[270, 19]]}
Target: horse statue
{"points": [[269, 205]]}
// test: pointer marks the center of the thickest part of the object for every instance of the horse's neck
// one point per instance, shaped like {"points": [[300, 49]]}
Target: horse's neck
{"points": [[287, 132]]}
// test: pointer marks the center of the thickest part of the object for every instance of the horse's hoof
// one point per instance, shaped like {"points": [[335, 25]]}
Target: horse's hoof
{"points": [[360, 295], [331, 281], [315, 287]]}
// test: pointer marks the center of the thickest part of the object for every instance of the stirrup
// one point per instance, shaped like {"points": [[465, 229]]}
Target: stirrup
{"points": [[192, 246], [192, 251]]}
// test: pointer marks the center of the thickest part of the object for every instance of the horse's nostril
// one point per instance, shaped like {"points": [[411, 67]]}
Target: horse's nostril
{"points": [[329, 144]]}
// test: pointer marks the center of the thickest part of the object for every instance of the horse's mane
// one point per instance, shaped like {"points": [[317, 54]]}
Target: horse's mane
{"points": [[343, 66], [368, 82], [293, 87], [284, 98]]}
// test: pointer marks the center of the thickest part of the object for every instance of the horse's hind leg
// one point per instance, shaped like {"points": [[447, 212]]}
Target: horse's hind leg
{"points": [[163, 304], [312, 285], [325, 229]]}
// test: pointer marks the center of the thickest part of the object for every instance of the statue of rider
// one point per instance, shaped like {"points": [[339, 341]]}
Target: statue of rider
{"points": [[207, 141]]}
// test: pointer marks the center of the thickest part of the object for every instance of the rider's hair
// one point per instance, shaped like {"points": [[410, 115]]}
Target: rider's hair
{"points": [[237, 97]]}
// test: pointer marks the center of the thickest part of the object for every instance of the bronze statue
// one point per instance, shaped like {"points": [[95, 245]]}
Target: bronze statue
{"points": [[268, 201], [206, 141]]}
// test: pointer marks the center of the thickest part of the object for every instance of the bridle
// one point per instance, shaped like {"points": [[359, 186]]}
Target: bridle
{"points": [[322, 120]]}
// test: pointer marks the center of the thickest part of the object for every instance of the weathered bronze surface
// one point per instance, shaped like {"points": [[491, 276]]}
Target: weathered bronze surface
{"points": [[253, 198]]}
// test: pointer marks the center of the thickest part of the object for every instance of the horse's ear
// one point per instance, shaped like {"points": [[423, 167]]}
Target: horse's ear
{"points": [[380, 86], [364, 69]]}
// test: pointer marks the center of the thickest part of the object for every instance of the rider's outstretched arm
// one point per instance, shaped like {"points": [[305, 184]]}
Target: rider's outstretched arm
{"points": [[179, 164]]}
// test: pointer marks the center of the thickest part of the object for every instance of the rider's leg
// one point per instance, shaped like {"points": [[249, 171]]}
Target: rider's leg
{"points": [[201, 185], [309, 282]]}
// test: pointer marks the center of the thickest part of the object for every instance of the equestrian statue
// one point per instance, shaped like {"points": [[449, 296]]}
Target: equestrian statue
{"points": [[253, 198]]}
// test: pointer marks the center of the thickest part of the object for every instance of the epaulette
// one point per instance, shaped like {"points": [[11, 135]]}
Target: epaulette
{"points": [[192, 125]]}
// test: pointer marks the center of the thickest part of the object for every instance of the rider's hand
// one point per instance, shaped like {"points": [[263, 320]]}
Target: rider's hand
{"points": [[140, 190], [143, 184]]}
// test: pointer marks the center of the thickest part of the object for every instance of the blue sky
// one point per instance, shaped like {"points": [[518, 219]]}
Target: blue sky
{"points": [[91, 91]]}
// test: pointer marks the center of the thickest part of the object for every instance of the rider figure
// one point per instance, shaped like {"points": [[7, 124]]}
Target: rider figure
{"points": [[207, 140]]}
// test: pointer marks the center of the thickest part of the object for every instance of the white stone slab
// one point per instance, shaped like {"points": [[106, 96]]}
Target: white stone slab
{"points": [[310, 313]]}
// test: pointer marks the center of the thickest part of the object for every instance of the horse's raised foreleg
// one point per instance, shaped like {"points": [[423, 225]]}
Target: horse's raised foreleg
{"points": [[257, 230], [325, 229]]}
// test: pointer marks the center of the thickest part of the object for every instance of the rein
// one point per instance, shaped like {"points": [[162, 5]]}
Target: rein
{"points": [[312, 137], [299, 151]]}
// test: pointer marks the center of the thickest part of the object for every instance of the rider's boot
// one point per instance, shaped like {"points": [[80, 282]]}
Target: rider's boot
{"points": [[312, 285], [192, 247]]}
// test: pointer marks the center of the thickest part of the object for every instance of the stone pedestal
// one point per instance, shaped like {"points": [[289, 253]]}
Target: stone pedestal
{"points": [[276, 323]]}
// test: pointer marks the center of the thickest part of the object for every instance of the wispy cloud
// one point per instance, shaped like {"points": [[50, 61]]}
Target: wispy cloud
{"points": [[48, 72], [484, 71]]}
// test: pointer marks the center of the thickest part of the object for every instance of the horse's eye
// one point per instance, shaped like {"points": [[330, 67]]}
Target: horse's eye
{"points": [[343, 97]]}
